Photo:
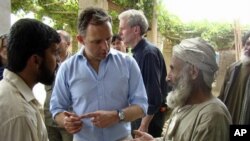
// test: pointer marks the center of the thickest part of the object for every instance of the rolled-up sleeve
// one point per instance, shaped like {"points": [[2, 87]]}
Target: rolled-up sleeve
{"points": [[60, 98], [137, 91]]}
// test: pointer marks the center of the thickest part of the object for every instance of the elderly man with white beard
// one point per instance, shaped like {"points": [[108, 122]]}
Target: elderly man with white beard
{"points": [[235, 92], [197, 115]]}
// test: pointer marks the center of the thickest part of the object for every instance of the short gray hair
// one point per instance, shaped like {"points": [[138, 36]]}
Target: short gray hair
{"points": [[134, 18], [65, 35]]}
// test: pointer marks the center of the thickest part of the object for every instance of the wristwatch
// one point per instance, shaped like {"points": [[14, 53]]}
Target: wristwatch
{"points": [[121, 115]]}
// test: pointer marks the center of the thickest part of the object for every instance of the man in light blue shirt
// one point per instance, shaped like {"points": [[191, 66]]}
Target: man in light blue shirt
{"points": [[103, 86]]}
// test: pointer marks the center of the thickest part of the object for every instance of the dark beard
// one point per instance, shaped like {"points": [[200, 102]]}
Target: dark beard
{"points": [[46, 76]]}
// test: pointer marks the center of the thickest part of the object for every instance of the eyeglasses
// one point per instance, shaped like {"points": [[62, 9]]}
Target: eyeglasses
{"points": [[2, 38]]}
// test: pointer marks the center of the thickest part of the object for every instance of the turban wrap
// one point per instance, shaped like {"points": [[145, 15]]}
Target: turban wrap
{"points": [[199, 53]]}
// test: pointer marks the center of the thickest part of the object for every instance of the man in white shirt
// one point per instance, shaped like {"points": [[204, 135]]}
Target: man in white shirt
{"points": [[32, 58]]}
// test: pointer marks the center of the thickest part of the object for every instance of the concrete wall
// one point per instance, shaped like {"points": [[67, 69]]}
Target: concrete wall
{"points": [[5, 9], [226, 57], [96, 3], [167, 52]]}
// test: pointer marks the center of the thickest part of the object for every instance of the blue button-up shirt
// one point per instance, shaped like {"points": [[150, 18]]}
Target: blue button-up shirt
{"points": [[117, 85]]}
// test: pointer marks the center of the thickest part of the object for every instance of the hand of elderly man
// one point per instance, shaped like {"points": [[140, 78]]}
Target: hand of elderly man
{"points": [[142, 136]]}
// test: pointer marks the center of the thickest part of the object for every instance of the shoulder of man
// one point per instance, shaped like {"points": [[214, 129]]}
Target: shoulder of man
{"points": [[234, 66]]}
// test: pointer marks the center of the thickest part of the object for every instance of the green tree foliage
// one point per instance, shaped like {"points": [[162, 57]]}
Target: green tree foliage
{"points": [[64, 14], [170, 26], [115, 21], [220, 35]]}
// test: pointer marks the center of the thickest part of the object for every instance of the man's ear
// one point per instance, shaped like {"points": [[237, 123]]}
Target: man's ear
{"points": [[194, 72], [80, 39], [137, 29], [35, 61], [68, 43]]}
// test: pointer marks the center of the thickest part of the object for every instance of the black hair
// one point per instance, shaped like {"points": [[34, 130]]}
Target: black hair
{"points": [[92, 15], [28, 37], [114, 37]]}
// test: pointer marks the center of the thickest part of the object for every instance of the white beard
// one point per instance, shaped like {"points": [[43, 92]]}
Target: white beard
{"points": [[244, 58], [180, 93]]}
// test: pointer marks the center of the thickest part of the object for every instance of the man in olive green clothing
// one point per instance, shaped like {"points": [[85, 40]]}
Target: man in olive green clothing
{"points": [[197, 115], [235, 91]]}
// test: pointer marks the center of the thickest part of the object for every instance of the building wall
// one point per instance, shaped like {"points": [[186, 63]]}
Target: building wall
{"points": [[167, 52], [5, 9], [226, 57], [96, 3]]}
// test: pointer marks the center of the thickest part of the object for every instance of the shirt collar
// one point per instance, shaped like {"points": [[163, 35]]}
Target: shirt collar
{"points": [[139, 45], [111, 53], [17, 81]]}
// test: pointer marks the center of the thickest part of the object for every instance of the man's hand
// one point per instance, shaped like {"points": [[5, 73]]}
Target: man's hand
{"points": [[72, 122], [142, 136], [145, 123], [102, 119]]}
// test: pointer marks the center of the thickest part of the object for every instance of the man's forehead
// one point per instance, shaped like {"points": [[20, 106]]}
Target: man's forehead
{"points": [[177, 63], [95, 38], [123, 22], [177, 60], [98, 35]]}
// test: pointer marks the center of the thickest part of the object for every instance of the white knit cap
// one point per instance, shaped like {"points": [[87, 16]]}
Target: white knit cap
{"points": [[201, 54]]}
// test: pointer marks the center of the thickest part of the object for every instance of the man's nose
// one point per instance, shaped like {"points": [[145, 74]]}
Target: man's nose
{"points": [[105, 44], [168, 78]]}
